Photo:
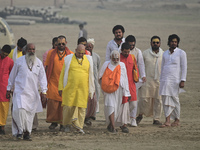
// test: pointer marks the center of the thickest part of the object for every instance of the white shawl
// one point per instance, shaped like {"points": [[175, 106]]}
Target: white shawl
{"points": [[67, 62]]}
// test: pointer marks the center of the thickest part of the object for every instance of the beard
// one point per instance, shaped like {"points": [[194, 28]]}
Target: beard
{"points": [[30, 58], [119, 38], [115, 63]]}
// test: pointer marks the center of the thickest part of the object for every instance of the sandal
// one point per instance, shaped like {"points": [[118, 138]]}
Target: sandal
{"points": [[124, 129], [165, 125], [88, 122], [139, 119], [175, 124], [111, 129]]}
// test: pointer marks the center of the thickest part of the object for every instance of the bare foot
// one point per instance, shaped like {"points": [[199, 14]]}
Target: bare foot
{"points": [[164, 125]]}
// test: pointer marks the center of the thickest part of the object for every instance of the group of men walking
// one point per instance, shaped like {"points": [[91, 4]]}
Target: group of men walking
{"points": [[69, 84]]}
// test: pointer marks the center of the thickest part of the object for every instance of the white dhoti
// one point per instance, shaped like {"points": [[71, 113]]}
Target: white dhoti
{"points": [[121, 116], [150, 106], [133, 109], [22, 121], [171, 106]]}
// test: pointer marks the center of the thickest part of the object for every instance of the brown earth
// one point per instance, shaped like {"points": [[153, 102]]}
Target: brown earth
{"points": [[143, 19]]}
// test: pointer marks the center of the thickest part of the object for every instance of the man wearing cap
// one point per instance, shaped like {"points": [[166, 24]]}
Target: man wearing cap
{"points": [[116, 43], [6, 65], [93, 104]]}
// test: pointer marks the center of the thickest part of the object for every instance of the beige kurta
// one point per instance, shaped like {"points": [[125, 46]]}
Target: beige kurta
{"points": [[150, 102], [152, 63]]}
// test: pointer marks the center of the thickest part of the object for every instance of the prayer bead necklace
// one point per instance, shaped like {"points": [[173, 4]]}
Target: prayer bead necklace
{"points": [[79, 62], [61, 55]]}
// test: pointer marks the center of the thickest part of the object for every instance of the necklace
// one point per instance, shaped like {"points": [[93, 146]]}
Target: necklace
{"points": [[61, 55], [80, 62], [30, 67]]}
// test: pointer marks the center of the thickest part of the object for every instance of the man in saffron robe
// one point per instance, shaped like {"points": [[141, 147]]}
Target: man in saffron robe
{"points": [[172, 79], [76, 83], [27, 72], [114, 83], [130, 62], [17, 51], [6, 65], [54, 64]]}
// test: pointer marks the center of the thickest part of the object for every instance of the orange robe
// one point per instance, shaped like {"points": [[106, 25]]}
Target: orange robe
{"points": [[52, 92], [130, 63]]}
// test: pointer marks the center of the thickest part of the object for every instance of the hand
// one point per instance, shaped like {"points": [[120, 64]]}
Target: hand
{"points": [[129, 98], [60, 93], [144, 79], [181, 85], [8, 94], [44, 98]]}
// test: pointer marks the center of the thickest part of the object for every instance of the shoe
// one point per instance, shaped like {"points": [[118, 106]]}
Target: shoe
{"points": [[139, 119], [34, 129], [27, 137], [67, 129], [2, 132], [53, 126], [61, 128], [157, 122], [133, 122], [19, 137], [88, 122], [124, 129]]}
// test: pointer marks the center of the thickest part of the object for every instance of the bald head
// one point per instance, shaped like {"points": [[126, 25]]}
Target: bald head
{"points": [[80, 51]]}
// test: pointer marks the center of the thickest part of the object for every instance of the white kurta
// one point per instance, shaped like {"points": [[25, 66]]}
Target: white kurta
{"points": [[173, 70], [26, 93], [140, 61], [96, 68], [113, 101], [26, 98], [112, 45]]}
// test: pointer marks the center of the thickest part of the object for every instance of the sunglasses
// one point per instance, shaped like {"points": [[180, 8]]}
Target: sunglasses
{"points": [[61, 44], [156, 42]]}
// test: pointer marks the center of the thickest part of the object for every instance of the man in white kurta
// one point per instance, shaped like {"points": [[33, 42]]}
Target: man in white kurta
{"points": [[116, 113], [150, 102], [96, 67], [116, 43], [172, 78], [27, 72], [130, 39]]}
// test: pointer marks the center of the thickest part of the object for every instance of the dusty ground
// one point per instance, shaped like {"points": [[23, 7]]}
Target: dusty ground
{"points": [[143, 19]]}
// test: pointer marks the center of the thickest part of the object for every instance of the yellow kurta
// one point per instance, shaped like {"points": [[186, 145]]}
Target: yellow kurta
{"points": [[19, 54], [4, 107], [75, 93]]}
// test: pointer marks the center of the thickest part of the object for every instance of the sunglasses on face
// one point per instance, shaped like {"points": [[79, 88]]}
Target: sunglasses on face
{"points": [[61, 44], [155, 42]]}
